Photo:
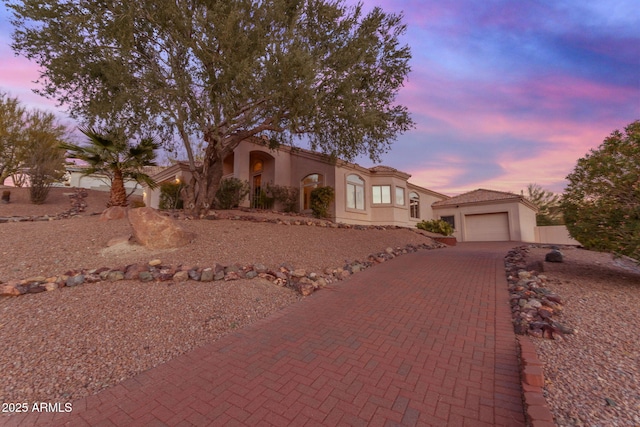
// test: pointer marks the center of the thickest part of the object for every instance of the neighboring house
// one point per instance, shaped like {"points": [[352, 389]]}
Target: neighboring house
{"points": [[487, 215], [370, 196], [75, 177]]}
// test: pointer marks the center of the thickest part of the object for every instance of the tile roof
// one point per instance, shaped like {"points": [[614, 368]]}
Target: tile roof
{"points": [[153, 170], [478, 196], [383, 168]]}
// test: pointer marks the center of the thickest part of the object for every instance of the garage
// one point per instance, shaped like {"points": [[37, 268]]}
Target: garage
{"points": [[491, 227]]}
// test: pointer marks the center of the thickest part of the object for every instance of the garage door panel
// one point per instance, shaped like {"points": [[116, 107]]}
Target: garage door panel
{"points": [[492, 227]]}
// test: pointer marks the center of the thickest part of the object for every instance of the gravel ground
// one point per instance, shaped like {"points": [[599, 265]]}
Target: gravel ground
{"points": [[593, 376], [63, 345], [69, 343]]}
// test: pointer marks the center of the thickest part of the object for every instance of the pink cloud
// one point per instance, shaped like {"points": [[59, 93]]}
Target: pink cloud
{"points": [[17, 77]]}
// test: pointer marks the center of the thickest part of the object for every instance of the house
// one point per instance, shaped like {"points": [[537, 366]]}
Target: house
{"points": [[379, 195], [75, 176], [487, 215]]}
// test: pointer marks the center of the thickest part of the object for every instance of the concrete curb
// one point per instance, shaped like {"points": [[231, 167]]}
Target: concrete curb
{"points": [[532, 376]]}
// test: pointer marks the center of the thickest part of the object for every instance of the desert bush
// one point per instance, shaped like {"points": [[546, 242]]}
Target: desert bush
{"points": [[436, 226], [287, 197], [45, 166], [321, 198], [231, 193], [262, 200], [170, 195]]}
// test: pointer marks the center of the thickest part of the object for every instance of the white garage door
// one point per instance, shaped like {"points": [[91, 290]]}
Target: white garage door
{"points": [[487, 227]]}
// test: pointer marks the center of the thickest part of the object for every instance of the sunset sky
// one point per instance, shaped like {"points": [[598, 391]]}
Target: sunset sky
{"points": [[504, 93]]}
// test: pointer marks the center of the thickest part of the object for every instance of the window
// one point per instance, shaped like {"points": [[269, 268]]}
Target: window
{"points": [[400, 196], [308, 184], [355, 192], [381, 194], [414, 205], [449, 219]]}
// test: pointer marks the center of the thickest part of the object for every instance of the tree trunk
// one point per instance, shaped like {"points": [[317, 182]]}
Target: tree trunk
{"points": [[199, 196], [118, 194]]}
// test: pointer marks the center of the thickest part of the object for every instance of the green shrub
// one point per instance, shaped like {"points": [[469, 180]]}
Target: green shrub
{"points": [[231, 193], [436, 226], [137, 204], [321, 198], [170, 195], [287, 197]]}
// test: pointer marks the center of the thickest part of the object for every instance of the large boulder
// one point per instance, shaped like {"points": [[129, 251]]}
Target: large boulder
{"points": [[113, 213], [157, 231], [554, 256]]}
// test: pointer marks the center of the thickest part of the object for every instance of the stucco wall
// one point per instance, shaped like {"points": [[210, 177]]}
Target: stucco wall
{"points": [[554, 235], [289, 166], [521, 218], [100, 183], [527, 224]]}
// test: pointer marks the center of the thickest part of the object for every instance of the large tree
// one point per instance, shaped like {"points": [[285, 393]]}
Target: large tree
{"points": [[111, 155], [601, 205], [548, 204], [43, 160], [13, 117], [222, 71], [29, 151]]}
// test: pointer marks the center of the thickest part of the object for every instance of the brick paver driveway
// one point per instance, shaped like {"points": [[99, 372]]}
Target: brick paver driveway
{"points": [[424, 339]]}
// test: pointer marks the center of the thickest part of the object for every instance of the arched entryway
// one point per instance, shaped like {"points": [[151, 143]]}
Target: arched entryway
{"points": [[261, 169]]}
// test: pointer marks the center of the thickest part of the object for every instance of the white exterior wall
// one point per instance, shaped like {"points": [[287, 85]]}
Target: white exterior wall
{"points": [[520, 226], [100, 183], [527, 224], [554, 235]]}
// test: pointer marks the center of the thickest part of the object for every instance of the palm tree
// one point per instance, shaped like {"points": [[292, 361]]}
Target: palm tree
{"points": [[112, 156]]}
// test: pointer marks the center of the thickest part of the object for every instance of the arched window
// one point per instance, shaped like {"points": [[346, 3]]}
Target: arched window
{"points": [[414, 205], [309, 182], [355, 192]]}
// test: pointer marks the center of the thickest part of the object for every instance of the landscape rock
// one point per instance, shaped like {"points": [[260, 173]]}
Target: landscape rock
{"points": [[260, 268], [231, 275], [533, 306], [157, 231], [298, 273], [554, 256], [207, 275], [11, 290], [50, 286], [114, 213], [133, 271], [115, 275], [181, 276], [194, 274], [305, 286], [145, 276], [75, 280]]}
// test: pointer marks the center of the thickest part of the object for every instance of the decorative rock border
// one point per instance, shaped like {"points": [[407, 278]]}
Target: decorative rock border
{"points": [[300, 280], [532, 307], [78, 205]]}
